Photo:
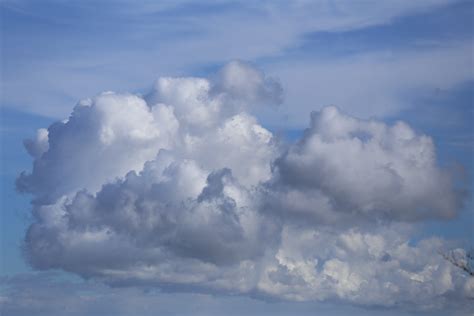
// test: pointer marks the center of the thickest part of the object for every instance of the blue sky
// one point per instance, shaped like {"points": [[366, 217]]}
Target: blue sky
{"points": [[387, 61]]}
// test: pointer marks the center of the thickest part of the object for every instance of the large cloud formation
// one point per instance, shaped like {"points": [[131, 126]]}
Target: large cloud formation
{"points": [[183, 189]]}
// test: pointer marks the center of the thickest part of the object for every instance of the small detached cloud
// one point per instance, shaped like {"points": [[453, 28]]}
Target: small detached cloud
{"points": [[184, 190]]}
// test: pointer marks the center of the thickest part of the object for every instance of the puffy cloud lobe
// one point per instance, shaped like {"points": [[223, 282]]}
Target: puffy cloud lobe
{"points": [[104, 138], [190, 100], [39, 145], [184, 190], [364, 168], [202, 104], [240, 144], [244, 84], [379, 267]]}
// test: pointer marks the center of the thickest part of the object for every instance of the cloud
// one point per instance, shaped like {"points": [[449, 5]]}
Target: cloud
{"points": [[39, 145], [80, 148], [105, 127], [365, 168], [163, 37], [246, 84], [373, 268], [184, 190], [372, 83]]}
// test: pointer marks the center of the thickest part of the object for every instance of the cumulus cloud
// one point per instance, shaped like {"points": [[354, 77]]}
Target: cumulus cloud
{"points": [[364, 168], [184, 189], [246, 84], [376, 267], [103, 138]]}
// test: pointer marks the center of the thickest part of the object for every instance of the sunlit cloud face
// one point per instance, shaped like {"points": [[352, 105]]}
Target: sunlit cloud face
{"points": [[183, 189]]}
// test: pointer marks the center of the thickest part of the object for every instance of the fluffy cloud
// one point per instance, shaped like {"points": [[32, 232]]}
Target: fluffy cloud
{"points": [[104, 138], [183, 189], [245, 84], [364, 168], [376, 267]]}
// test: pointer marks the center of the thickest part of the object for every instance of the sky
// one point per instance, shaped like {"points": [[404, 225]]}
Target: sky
{"points": [[236, 157]]}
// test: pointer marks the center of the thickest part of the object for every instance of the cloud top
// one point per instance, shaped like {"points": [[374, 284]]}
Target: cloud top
{"points": [[367, 168]]}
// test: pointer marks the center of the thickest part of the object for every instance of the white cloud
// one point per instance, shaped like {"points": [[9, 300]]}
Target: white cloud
{"points": [[373, 268], [184, 189], [38, 146], [111, 126], [364, 169], [245, 84]]}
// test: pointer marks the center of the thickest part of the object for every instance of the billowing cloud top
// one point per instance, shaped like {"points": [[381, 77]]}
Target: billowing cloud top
{"points": [[183, 189]]}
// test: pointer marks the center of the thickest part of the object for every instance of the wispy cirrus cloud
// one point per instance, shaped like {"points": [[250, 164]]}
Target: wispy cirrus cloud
{"points": [[72, 66]]}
